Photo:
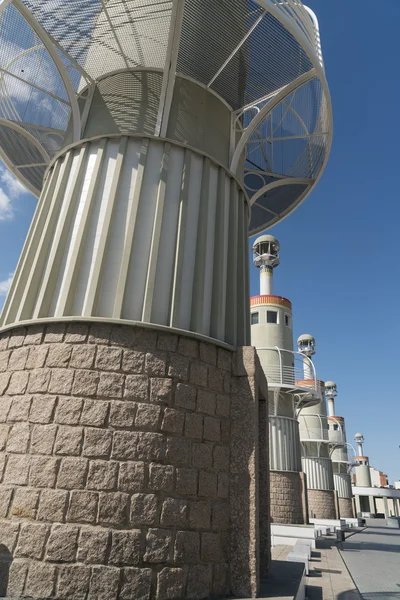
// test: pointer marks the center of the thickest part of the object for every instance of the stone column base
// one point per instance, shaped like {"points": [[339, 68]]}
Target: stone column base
{"points": [[346, 508], [123, 462], [321, 504], [286, 498]]}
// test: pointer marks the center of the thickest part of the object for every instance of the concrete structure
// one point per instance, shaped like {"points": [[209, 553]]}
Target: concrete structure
{"points": [[365, 504], [314, 436], [156, 135], [375, 477], [378, 478], [370, 489], [272, 335], [362, 470], [339, 454], [372, 500]]}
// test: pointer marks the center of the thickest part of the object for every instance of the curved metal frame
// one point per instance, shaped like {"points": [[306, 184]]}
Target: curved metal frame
{"points": [[16, 173], [276, 184], [316, 440], [296, 18], [13, 125], [267, 108], [15, 168], [48, 44], [301, 393]]}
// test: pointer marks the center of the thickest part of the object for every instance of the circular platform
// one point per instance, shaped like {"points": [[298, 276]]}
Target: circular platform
{"points": [[261, 58]]}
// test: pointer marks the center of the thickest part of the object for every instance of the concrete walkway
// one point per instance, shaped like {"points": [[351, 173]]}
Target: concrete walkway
{"points": [[329, 578], [373, 558]]}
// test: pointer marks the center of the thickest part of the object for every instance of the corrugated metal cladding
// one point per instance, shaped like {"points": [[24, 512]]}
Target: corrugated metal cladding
{"points": [[319, 473], [342, 485], [285, 450], [141, 230]]}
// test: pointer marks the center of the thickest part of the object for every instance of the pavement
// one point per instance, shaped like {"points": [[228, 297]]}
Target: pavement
{"points": [[373, 558], [329, 578], [365, 567]]}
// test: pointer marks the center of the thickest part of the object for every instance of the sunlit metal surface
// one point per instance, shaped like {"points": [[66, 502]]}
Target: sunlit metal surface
{"points": [[267, 68]]}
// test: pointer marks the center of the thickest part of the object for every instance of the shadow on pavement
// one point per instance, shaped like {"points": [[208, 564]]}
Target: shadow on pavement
{"points": [[314, 593], [359, 546], [381, 596]]}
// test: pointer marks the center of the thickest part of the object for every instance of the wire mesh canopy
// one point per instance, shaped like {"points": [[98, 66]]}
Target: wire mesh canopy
{"points": [[262, 58]]}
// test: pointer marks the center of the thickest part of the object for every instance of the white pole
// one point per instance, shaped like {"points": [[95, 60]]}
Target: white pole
{"points": [[308, 370], [331, 407], [266, 280], [360, 449]]}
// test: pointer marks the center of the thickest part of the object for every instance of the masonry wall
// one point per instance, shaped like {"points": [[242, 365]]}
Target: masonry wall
{"points": [[321, 504], [346, 508], [287, 498], [115, 463]]}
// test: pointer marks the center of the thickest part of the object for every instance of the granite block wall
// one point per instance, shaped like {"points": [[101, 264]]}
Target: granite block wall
{"points": [[115, 462], [115, 457], [321, 504], [287, 498], [346, 508]]}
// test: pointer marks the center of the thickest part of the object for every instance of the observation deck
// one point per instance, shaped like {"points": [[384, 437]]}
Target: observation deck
{"points": [[261, 58], [284, 369]]}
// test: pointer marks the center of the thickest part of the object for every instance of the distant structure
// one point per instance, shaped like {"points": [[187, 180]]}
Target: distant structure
{"points": [[272, 335], [314, 437], [378, 478], [362, 470], [339, 454], [371, 490]]}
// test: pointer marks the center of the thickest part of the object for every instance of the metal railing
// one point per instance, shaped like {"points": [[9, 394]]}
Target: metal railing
{"points": [[313, 428], [285, 368]]}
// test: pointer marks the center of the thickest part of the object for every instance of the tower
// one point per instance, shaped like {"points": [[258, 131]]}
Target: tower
{"points": [[363, 475], [314, 436], [156, 136], [339, 453], [272, 335], [364, 503]]}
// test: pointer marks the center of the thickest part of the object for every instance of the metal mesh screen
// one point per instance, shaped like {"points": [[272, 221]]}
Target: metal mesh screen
{"points": [[105, 36], [133, 100], [19, 150], [34, 175], [274, 205], [54, 53]]}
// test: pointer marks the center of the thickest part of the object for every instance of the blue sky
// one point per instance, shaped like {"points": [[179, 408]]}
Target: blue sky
{"points": [[340, 250]]}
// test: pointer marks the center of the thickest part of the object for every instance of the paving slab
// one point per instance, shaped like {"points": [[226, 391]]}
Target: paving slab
{"points": [[329, 578], [373, 558]]}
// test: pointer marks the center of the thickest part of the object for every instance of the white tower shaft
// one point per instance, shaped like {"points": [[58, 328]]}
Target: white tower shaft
{"points": [[331, 407], [266, 280], [308, 369], [360, 449]]}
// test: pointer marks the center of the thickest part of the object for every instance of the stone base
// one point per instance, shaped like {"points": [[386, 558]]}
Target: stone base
{"points": [[346, 508], [118, 448], [321, 504], [287, 498]]}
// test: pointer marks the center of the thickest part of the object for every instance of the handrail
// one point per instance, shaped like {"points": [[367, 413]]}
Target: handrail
{"points": [[289, 374], [322, 431]]}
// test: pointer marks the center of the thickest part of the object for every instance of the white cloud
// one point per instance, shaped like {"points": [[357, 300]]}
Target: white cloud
{"points": [[14, 186], [5, 285], [10, 188], [6, 210]]}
